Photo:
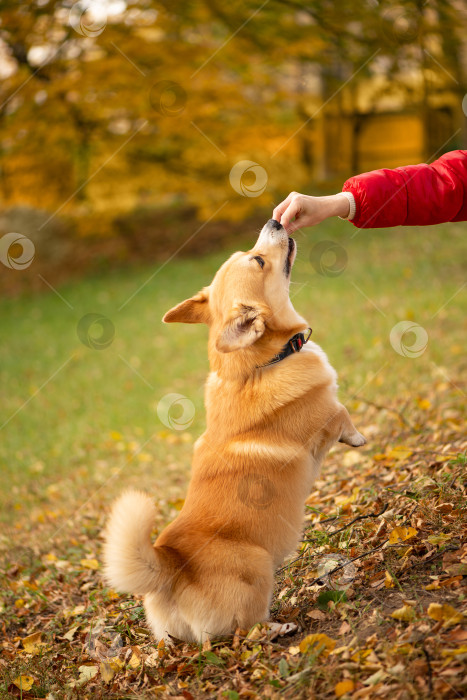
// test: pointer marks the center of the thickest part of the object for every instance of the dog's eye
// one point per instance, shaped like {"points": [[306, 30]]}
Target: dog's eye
{"points": [[260, 260]]}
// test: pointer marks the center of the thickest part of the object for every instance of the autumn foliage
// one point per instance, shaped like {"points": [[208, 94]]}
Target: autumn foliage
{"points": [[120, 111]]}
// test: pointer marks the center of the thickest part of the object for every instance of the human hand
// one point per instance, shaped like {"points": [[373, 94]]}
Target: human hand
{"points": [[299, 210]]}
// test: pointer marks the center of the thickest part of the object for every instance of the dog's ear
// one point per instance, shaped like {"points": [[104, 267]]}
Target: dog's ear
{"points": [[245, 327], [194, 310]]}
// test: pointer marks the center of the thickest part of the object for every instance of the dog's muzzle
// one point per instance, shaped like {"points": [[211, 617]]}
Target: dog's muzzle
{"points": [[274, 224], [274, 234]]}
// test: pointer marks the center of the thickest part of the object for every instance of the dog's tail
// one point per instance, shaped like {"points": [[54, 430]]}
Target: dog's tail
{"points": [[131, 563]]}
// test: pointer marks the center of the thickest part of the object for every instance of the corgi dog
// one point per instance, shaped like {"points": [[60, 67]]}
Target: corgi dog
{"points": [[272, 414]]}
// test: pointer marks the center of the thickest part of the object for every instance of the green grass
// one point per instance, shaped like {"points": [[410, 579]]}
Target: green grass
{"points": [[63, 404], [80, 425]]}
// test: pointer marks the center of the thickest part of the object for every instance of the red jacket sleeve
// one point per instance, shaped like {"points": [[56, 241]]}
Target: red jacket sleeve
{"points": [[415, 195]]}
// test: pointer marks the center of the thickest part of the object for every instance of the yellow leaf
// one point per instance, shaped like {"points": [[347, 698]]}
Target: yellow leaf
{"points": [[440, 538], [71, 633], [89, 563], [161, 650], [455, 652], [388, 580], [400, 452], [258, 674], [115, 435], [256, 632], [177, 504], [424, 404], [360, 655], [402, 649], [33, 644], [376, 677], [317, 643], [19, 603], [344, 687], [24, 682], [345, 500], [404, 614], [433, 586], [107, 672], [401, 533], [74, 612], [85, 675], [30, 586], [404, 553], [135, 661], [445, 613], [117, 664]]}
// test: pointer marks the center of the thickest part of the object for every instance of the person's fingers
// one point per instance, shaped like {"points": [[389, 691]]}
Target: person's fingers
{"points": [[280, 209], [292, 212]]}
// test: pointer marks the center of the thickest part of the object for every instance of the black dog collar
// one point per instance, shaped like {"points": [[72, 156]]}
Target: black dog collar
{"points": [[293, 345]]}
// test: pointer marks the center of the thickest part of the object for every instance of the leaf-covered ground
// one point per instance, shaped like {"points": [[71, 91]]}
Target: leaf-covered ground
{"points": [[390, 622], [78, 425]]}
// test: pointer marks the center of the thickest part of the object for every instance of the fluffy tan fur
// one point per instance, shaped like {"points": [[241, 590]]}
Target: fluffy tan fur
{"points": [[268, 430]]}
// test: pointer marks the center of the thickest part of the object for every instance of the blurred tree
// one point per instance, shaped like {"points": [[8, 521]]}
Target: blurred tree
{"points": [[106, 105]]}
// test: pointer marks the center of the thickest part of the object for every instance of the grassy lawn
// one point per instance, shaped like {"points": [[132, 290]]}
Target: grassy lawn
{"points": [[80, 424]]}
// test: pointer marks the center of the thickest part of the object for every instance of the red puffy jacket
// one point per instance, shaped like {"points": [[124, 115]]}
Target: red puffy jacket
{"points": [[415, 195]]}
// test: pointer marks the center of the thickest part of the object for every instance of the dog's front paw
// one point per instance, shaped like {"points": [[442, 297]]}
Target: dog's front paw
{"points": [[352, 438], [356, 440]]}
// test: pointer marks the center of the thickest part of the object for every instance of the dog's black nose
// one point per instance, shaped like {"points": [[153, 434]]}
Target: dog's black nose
{"points": [[274, 224]]}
